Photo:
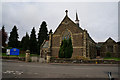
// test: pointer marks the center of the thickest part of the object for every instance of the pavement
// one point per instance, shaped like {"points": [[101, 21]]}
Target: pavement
{"points": [[20, 69]]}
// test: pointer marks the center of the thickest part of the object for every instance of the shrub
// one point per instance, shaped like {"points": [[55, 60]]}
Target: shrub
{"points": [[108, 54], [80, 57], [66, 49], [61, 51]]}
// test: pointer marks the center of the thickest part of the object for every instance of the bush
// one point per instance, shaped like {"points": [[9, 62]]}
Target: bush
{"points": [[66, 49], [69, 49], [61, 51], [80, 57], [3, 50], [108, 54]]}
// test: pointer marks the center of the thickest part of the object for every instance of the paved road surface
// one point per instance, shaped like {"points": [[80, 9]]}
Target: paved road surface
{"points": [[17, 69]]}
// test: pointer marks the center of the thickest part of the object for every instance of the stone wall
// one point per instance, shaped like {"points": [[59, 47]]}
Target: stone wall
{"points": [[77, 40], [56, 41], [34, 58], [80, 61], [77, 52], [55, 52]]}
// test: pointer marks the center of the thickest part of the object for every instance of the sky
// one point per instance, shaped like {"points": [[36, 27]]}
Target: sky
{"points": [[100, 19]]}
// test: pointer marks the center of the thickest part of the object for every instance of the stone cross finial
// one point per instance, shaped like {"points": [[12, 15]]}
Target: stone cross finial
{"points": [[66, 12]]}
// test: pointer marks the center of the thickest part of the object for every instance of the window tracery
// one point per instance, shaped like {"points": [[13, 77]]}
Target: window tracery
{"points": [[66, 35]]}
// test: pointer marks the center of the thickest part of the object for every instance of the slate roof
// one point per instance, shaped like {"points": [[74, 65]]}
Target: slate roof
{"points": [[46, 44]]}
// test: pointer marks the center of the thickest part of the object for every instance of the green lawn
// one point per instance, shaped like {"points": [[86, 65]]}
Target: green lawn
{"points": [[112, 58], [34, 55], [20, 55]]}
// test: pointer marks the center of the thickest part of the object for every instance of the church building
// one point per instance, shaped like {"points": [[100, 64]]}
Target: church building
{"points": [[83, 44]]}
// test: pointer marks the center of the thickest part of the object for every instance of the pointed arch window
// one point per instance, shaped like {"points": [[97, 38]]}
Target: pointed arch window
{"points": [[66, 35]]}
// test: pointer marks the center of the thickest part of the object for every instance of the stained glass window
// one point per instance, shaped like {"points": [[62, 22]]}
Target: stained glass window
{"points": [[66, 35]]}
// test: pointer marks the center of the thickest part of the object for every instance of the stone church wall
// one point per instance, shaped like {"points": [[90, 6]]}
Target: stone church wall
{"points": [[55, 45], [76, 42], [56, 41], [77, 52], [55, 51]]}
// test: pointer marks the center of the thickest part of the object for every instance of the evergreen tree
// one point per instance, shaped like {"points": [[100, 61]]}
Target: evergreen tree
{"points": [[4, 36], [66, 49], [42, 35], [33, 42], [22, 42], [25, 42], [69, 49], [63, 47], [65, 43], [13, 39], [61, 51]]}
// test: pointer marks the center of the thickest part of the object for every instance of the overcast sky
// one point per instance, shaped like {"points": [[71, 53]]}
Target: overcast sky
{"points": [[99, 18]]}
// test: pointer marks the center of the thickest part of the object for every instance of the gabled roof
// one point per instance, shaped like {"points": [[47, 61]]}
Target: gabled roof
{"points": [[45, 44], [109, 40], [118, 43], [66, 18]]}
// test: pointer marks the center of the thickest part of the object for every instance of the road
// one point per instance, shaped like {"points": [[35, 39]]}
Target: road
{"points": [[18, 69]]}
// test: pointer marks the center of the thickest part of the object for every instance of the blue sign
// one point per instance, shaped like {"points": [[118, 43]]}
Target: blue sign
{"points": [[14, 51]]}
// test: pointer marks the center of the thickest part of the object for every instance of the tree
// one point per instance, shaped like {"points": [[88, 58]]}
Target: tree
{"points": [[61, 51], [69, 49], [22, 42], [66, 49], [13, 39], [33, 42], [42, 35], [65, 44], [25, 42], [4, 36]]}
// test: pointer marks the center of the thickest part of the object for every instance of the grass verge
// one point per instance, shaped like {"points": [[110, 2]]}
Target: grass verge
{"points": [[112, 58], [20, 55]]}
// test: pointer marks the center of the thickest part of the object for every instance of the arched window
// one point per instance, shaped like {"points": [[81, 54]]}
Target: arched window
{"points": [[66, 35]]}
